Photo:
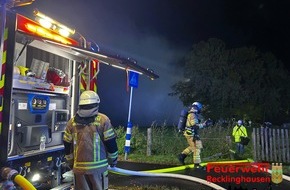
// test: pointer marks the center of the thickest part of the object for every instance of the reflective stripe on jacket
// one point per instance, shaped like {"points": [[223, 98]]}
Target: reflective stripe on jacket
{"points": [[89, 150]]}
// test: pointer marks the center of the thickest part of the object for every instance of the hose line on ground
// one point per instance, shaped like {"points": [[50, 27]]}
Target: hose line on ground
{"points": [[178, 176], [164, 172]]}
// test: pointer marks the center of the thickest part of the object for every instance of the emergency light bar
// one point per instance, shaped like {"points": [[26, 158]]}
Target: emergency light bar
{"points": [[31, 27], [48, 22]]}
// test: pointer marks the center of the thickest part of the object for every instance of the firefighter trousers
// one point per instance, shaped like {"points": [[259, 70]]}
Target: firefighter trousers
{"points": [[194, 147], [97, 181]]}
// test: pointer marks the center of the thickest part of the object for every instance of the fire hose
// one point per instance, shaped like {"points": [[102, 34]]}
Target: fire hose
{"points": [[157, 173], [164, 172], [176, 176]]}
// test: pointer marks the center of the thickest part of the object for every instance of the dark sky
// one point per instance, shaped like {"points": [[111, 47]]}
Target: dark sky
{"points": [[157, 33]]}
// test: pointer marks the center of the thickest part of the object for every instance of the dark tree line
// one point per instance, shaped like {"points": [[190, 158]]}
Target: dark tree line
{"points": [[240, 82]]}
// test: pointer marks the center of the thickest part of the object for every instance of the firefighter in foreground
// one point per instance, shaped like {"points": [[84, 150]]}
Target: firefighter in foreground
{"points": [[193, 124], [90, 144]]}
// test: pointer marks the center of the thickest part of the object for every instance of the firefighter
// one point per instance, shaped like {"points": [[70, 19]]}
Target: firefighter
{"points": [[193, 124], [239, 131], [90, 144]]}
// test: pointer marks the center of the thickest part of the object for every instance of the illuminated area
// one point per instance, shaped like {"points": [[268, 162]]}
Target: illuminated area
{"points": [[49, 23], [39, 31], [45, 23], [35, 177], [43, 30]]}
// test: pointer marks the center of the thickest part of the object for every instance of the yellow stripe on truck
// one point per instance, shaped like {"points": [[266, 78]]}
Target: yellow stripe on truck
{"points": [[2, 79]]}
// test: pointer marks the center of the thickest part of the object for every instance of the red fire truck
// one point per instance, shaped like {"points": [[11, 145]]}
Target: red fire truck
{"points": [[42, 75]]}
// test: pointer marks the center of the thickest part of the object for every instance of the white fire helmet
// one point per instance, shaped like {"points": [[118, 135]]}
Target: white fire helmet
{"points": [[240, 122], [89, 97]]}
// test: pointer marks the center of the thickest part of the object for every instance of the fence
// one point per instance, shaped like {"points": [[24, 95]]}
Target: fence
{"points": [[271, 145], [216, 143]]}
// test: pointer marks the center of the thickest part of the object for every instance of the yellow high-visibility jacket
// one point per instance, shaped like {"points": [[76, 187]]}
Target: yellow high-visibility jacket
{"points": [[239, 131]]}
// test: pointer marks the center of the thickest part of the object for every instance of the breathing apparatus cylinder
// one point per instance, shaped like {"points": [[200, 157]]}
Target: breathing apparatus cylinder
{"points": [[182, 120]]}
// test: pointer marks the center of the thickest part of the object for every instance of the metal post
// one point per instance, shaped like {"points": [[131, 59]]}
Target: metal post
{"points": [[229, 142], [149, 141], [129, 127], [3, 25]]}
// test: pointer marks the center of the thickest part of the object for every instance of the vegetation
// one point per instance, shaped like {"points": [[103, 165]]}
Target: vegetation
{"points": [[241, 82], [167, 143]]}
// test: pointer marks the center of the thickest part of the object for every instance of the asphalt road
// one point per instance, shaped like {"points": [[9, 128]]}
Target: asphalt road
{"points": [[124, 181]]}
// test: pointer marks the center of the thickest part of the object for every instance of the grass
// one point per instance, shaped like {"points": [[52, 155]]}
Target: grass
{"points": [[167, 143]]}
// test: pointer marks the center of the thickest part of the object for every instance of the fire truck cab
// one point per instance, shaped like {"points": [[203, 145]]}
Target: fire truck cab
{"points": [[42, 76]]}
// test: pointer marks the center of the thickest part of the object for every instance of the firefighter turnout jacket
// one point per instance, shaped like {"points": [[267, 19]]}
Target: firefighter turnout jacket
{"points": [[93, 144], [192, 124]]}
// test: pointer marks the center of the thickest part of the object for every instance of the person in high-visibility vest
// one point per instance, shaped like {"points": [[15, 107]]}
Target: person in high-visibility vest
{"points": [[191, 134], [90, 144], [239, 131]]}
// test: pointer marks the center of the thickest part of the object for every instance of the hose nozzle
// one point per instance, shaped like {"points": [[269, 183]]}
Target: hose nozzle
{"points": [[8, 173]]}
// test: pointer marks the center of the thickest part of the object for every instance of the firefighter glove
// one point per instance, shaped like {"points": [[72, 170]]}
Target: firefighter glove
{"points": [[69, 160], [113, 162], [207, 123]]}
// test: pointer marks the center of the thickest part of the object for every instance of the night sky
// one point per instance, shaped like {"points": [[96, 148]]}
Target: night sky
{"points": [[158, 33]]}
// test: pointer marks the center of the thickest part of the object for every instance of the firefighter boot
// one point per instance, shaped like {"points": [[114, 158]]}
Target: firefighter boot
{"points": [[181, 158], [198, 166]]}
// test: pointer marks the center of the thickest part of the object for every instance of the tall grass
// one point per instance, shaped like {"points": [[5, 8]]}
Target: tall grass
{"points": [[167, 143]]}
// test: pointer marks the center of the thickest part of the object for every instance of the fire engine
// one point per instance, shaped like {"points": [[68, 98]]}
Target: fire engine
{"points": [[42, 75]]}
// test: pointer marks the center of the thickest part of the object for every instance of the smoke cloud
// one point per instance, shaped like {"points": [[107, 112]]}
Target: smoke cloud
{"points": [[119, 27]]}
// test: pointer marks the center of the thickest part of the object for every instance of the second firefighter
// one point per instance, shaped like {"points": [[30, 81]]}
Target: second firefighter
{"points": [[193, 124]]}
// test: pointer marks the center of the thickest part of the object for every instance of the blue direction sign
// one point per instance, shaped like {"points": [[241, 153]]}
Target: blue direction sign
{"points": [[133, 79]]}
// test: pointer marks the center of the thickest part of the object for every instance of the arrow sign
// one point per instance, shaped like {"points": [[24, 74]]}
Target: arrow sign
{"points": [[133, 79]]}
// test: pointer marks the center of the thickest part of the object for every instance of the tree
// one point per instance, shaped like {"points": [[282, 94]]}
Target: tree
{"points": [[233, 82]]}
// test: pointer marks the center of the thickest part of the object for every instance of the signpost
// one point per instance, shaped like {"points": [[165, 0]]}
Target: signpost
{"points": [[133, 83]]}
